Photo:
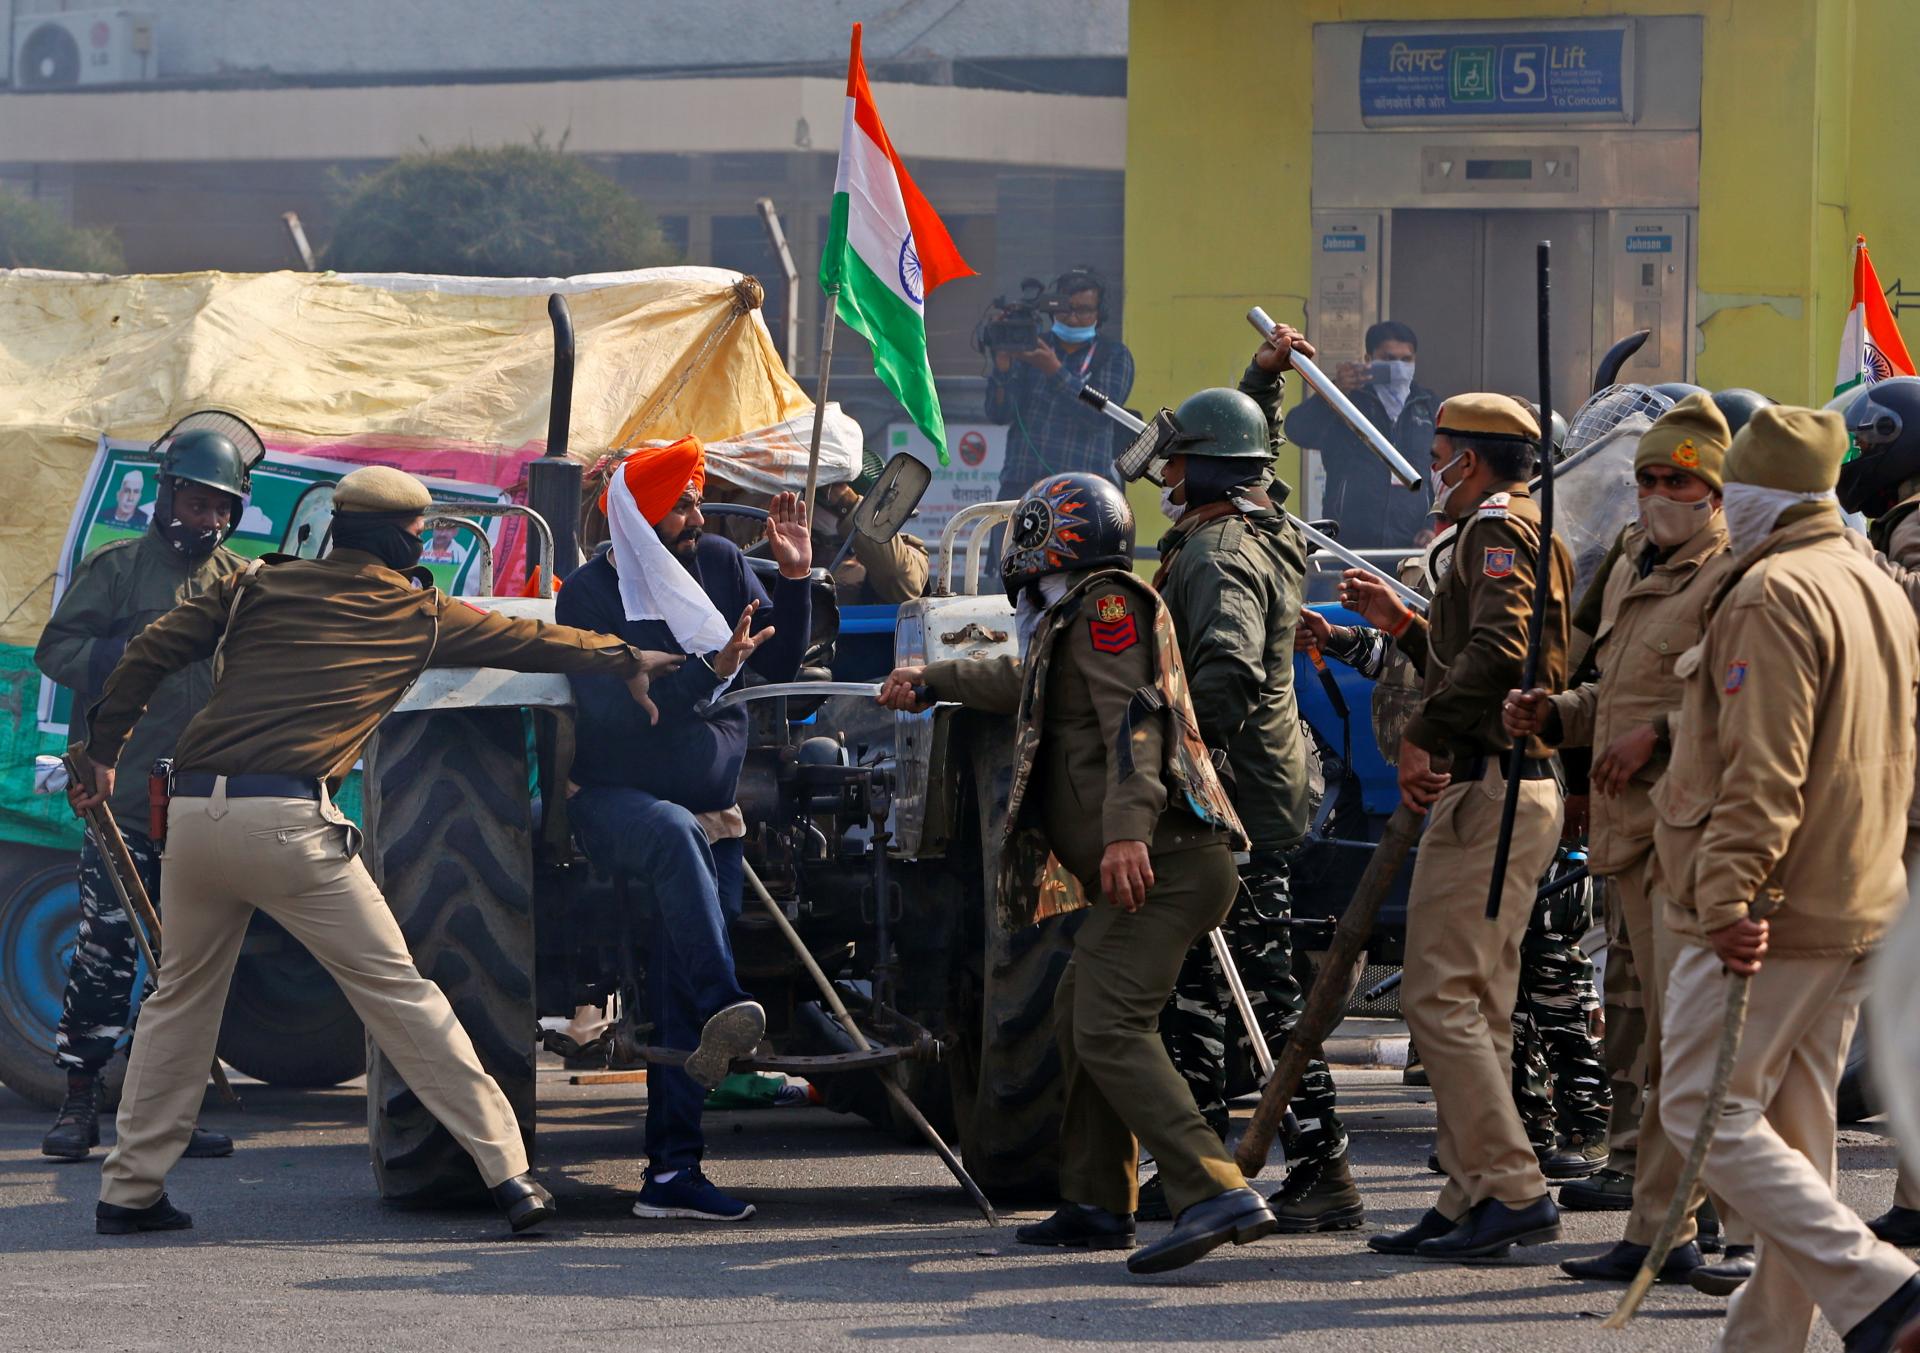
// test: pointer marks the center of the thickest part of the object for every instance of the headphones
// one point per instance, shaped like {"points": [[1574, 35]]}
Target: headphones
{"points": [[1082, 278]]}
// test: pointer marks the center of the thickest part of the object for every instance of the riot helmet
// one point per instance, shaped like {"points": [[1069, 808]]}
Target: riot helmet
{"points": [[1216, 423], [1065, 523], [1738, 404], [200, 455], [1606, 409], [1884, 420], [1679, 390]]}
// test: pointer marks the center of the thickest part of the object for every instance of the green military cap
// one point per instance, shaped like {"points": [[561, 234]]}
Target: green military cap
{"points": [[1691, 436], [1488, 417], [1796, 450], [380, 488]]}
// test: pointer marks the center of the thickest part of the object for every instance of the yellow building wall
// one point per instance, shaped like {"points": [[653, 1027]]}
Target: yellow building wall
{"points": [[1801, 140]]}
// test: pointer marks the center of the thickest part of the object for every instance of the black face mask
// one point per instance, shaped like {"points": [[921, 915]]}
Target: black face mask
{"points": [[195, 544], [379, 535]]}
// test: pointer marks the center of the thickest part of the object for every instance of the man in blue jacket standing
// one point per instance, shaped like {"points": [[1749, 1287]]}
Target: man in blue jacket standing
{"points": [[656, 801]]}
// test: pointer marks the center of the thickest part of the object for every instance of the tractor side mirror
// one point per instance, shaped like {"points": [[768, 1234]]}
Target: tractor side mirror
{"points": [[310, 522], [893, 497]]}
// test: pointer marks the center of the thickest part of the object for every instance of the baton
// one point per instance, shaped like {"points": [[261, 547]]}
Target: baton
{"points": [[1334, 395], [132, 892], [1224, 957], [1093, 397], [1542, 576]]}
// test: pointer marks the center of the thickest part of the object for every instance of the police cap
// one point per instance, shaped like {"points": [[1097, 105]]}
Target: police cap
{"points": [[380, 489]]}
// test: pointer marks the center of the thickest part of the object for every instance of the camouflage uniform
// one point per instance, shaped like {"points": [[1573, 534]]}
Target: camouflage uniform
{"points": [[96, 1012], [1559, 1084]]}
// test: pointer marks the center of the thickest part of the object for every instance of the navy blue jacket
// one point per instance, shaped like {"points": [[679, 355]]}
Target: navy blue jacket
{"points": [[692, 756]]}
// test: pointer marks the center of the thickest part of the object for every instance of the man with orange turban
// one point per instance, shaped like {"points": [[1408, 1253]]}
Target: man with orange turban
{"points": [[656, 801]]}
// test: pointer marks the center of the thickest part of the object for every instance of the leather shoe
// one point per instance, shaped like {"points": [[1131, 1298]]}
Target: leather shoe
{"points": [[1239, 1215], [1898, 1226], [1493, 1228], [1877, 1332], [1075, 1227], [204, 1145], [1429, 1227], [110, 1220], [1621, 1264], [1724, 1278], [1603, 1191], [523, 1202]]}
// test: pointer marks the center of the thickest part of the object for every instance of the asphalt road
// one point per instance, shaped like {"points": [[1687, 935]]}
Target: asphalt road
{"points": [[859, 1242]]}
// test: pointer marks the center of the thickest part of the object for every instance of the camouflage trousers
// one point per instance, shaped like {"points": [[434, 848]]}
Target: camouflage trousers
{"points": [[1201, 1016], [97, 1007], [1559, 1084]]}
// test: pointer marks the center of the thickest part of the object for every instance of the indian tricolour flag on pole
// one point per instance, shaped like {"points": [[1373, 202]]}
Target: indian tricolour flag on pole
{"points": [[886, 250], [1870, 346]]}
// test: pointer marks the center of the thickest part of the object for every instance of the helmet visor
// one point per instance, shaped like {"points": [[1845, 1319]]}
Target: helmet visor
{"points": [[1148, 456]]}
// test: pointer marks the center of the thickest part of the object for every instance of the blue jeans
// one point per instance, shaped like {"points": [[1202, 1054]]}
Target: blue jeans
{"points": [[691, 894]]}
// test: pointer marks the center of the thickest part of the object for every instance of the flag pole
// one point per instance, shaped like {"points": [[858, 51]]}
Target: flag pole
{"points": [[820, 400]]}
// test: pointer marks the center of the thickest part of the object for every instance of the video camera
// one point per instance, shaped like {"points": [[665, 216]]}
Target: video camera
{"points": [[1017, 326]]}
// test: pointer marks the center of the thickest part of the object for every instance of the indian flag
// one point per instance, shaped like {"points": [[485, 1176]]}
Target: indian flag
{"points": [[886, 249], [1870, 346]]}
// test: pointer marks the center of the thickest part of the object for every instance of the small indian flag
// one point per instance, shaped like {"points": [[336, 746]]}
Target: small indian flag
{"points": [[1870, 345], [886, 249]]}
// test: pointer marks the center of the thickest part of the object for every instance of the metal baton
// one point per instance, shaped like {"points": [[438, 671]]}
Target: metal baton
{"points": [[1092, 397], [1334, 395]]}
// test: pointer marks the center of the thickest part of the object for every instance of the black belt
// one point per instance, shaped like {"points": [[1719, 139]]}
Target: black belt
{"points": [[1476, 767], [198, 784]]}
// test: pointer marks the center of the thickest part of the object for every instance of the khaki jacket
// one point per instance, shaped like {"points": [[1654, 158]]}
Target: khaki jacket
{"points": [[1896, 540], [1473, 645], [1793, 752], [1645, 624], [1106, 749], [118, 591]]}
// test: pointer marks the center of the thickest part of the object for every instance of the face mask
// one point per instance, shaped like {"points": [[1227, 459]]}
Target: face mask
{"points": [[1442, 491], [1668, 522], [1173, 510], [1395, 375], [1752, 510], [191, 541], [392, 544], [1074, 333]]}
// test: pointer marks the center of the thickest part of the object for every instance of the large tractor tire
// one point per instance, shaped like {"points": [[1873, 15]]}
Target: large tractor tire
{"points": [[1006, 1066], [286, 1021], [39, 926], [450, 826]]}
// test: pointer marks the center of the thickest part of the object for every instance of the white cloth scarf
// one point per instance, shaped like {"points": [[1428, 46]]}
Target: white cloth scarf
{"points": [[1027, 613], [1394, 390], [654, 585], [1752, 509]]}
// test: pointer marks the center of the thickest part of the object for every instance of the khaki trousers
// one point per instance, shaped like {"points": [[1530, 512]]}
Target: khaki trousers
{"points": [[1623, 1043], [1773, 1151], [1462, 976], [1121, 1087], [1658, 1164], [224, 858], [1893, 1006]]}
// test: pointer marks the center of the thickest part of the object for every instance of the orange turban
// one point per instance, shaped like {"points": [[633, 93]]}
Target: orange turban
{"points": [[657, 475]]}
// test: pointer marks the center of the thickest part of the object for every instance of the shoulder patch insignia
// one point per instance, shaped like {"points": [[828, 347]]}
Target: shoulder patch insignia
{"points": [[1494, 507], [1499, 562], [1111, 607], [1736, 676], [1113, 636]]}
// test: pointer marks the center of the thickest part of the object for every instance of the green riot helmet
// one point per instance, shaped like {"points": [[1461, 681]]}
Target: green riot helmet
{"points": [[1218, 423], [200, 456]]}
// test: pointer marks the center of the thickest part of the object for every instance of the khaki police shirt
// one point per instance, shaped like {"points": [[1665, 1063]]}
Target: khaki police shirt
{"points": [[320, 651], [1473, 644]]}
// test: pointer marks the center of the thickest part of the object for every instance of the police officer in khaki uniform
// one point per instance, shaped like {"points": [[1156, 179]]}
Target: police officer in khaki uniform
{"points": [[308, 658], [1778, 833], [1463, 970], [1653, 608], [1111, 781]]}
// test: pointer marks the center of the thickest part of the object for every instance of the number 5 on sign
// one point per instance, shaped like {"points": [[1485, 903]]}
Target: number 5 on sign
{"points": [[1520, 69]]}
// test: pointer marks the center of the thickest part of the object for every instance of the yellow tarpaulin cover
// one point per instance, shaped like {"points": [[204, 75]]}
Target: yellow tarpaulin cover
{"points": [[319, 359]]}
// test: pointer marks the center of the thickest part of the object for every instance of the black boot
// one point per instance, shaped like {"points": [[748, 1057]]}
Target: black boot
{"points": [[1153, 1201], [110, 1220], [1724, 1278], [77, 1130], [1877, 1332], [1075, 1227], [1576, 1157], [523, 1202], [1318, 1195], [1436, 1223], [205, 1145], [1603, 1191], [1898, 1226], [1493, 1228]]}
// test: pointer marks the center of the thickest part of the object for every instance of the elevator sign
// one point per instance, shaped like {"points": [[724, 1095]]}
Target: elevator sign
{"points": [[1562, 75]]}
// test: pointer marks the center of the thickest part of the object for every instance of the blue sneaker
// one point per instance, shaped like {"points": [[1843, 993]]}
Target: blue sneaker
{"points": [[688, 1194]]}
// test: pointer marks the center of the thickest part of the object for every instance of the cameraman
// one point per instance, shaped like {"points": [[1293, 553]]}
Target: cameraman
{"points": [[1036, 391]]}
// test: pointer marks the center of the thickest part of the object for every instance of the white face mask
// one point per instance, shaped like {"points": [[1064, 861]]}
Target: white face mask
{"points": [[1029, 610], [1669, 522], [1393, 380], [1173, 510], [1442, 491], [1752, 510]]}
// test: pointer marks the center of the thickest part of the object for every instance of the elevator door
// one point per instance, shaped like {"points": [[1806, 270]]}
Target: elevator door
{"points": [[1464, 281]]}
